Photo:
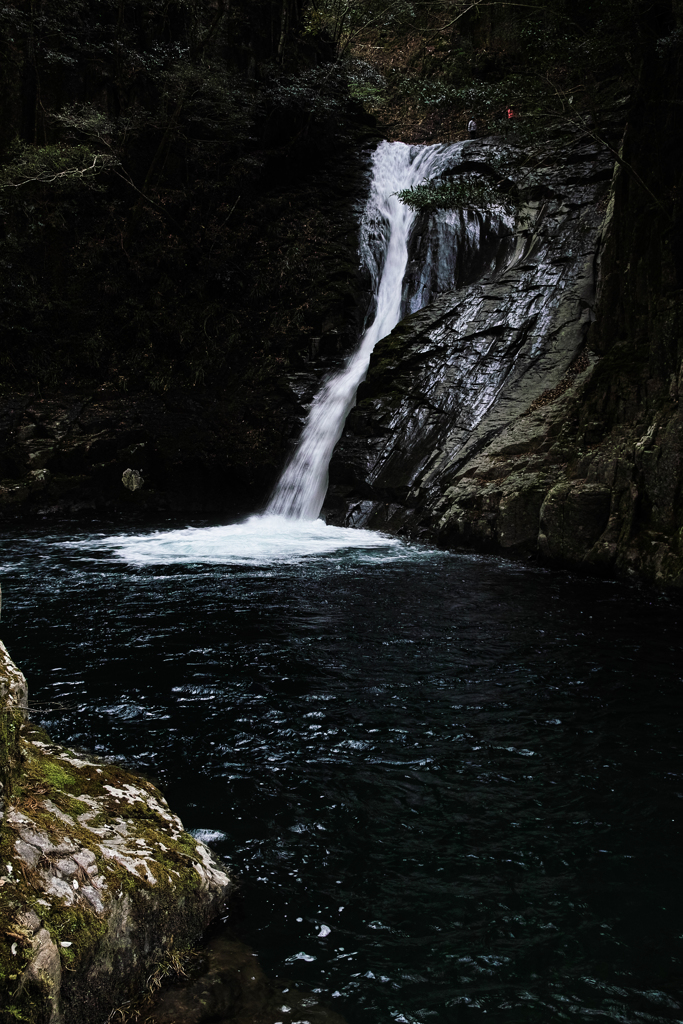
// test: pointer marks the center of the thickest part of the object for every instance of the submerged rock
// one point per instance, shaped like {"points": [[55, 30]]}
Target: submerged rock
{"points": [[233, 988], [98, 879]]}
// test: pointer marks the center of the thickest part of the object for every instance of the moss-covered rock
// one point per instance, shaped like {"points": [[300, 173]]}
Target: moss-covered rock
{"points": [[13, 696], [98, 879]]}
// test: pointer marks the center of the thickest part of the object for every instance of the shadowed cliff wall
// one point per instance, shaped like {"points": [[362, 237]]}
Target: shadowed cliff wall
{"points": [[580, 467]]}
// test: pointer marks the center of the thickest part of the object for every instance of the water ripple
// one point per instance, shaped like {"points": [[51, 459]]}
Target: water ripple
{"points": [[470, 772]]}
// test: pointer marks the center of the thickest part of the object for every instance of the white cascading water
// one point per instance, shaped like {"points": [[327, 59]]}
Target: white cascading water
{"points": [[301, 490], [290, 530]]}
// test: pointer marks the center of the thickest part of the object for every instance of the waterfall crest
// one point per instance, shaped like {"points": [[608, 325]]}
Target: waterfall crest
{"points": [[385, 236]]}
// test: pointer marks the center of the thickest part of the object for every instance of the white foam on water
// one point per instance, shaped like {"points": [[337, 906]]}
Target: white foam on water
{"points": [[261, 540], [208, 835]]}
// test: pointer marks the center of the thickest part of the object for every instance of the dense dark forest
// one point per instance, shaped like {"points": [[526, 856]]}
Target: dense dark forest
{"points": [[179, 191], [163, 211]]}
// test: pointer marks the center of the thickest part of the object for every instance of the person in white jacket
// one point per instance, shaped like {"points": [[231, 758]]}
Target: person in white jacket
{"points": [[472, 128]]}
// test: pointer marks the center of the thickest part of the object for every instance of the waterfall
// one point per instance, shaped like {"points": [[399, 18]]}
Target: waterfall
{"points": [[410, 258], [385, 236]]}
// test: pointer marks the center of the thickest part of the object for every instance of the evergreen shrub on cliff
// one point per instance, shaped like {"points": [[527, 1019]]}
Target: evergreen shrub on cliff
{"points": [[468, 191]]}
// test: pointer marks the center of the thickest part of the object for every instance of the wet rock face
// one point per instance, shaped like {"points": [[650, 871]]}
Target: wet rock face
{"points": [[451, 378], [538, 412], [98, 880], [453, 250]]}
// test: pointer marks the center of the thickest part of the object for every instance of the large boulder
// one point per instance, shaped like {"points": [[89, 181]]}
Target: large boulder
{"points": [[99, 882]]}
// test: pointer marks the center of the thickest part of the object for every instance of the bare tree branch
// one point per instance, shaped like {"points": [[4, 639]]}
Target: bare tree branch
{"points": [[100, 162]]}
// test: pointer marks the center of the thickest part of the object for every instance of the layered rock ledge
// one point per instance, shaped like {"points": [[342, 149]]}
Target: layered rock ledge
{"points": [[455, 378], [99, 883]]}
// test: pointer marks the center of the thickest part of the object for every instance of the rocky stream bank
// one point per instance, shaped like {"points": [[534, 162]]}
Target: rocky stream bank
{"points": [[105, 898], [100, 886]]}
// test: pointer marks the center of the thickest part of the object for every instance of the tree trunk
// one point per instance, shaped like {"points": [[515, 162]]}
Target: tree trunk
{"points": [[283, 31]]}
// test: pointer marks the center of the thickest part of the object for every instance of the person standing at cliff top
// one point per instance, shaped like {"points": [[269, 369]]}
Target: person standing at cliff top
{"points": [[472, 128]]}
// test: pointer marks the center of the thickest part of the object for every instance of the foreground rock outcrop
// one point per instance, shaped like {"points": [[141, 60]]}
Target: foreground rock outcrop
{"points": [[100, 886]]}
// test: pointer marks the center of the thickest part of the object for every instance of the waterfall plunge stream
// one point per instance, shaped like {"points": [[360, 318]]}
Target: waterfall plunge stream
{"points": [[290, 529], [301, 490]]}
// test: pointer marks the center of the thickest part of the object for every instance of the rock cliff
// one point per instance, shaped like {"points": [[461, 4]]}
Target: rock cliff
{"points": [[536, 412], [446, 386], [213, 446]]}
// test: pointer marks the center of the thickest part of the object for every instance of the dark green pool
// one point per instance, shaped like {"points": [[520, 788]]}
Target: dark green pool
{"points": [[451, 786]]}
